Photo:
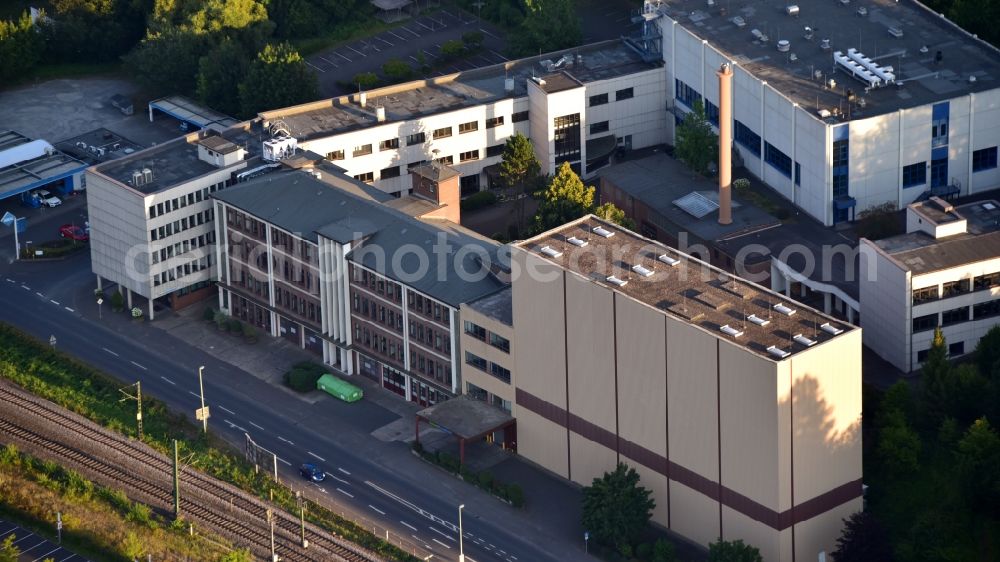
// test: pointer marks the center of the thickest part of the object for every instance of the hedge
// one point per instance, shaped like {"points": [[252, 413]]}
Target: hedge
{"points": [[484, 480], [478, 200], [303, 376]]}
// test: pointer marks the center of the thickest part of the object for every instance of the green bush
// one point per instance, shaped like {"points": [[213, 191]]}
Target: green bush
{"points": [[516, 495], [486, 480], [365, 80], [473, 40], [663, 551], [221, 319], [397, 70], [644, 551], [250, 333], [452, 49], [53, 249], [741, 183], [303, 376], [234, 326], [208, 315], [478, 200], [117, 302]]}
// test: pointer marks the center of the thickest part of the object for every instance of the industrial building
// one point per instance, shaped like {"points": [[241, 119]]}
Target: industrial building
{"points": [[27, 165], [944, 272], [739, 408]]}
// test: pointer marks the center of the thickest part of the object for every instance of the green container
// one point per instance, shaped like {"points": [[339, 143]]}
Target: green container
{"points": [[338, 388]]}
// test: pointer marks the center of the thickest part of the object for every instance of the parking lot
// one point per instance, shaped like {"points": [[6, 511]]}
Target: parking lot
{"points": [[35, 548], [423, 34]]}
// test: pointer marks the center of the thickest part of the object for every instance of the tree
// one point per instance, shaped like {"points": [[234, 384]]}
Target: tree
{"points": [[9, 552], [898, 444], [697, 144], [519, 168], [933, 379], [608, 211], [365, 80], [278, 77], [218, 72], [93, 30], [967, 394], [396, 70], [565, 199], [978, 459], [549, 25], [863, 539], [168, 61], [615, 508], [988, 354], [879, 222], [733, 551], [663, 551], [452, 49], [20, 47]]}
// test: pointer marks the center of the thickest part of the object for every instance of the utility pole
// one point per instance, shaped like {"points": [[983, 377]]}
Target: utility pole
{"points": [[138, 401], [302, 518], [177, 484], [270, 522]]}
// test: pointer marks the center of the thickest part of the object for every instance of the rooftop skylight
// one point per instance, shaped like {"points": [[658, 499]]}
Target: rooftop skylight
{"points": [[551, 252], [727, 329], [616, 281], [672, 262], [799, 338], [638, 268], [830, 328], [576, 241], [784, 309], [777, 352], [601, 231], [758, 320]]}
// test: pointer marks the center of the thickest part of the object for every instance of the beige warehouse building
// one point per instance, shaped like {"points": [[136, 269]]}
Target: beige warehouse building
{"points": [[740, 409]]}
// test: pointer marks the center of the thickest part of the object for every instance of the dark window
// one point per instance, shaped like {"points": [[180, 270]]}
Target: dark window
{"points": [[388, 144], [841, 154], [712, 113], [599, 127], [413, 165], [778, 159], [467, 156], [986, 281], [500, 342], [468, 127], [984, 159], [495, 150], [390, 172], [915, 174], [475, 360], [749, 139], [415, 138], [446, 160], [442, 133], [362, 150], [924, 323], [922, 355], [956, 349], [686, 94], [925, 295], [954, 288], [519, 116], [493, 122], [625, 94], [798, 174], [954, 316], [567, 138], [599, 99], [500, 373], [475, 330], [986, 309], [367, 177]]}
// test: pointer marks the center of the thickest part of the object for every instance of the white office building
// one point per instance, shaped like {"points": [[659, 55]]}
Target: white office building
{"points": [[945, 271]]}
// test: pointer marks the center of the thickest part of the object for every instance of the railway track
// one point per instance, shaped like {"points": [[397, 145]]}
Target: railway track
{"points": [[148, 474]]}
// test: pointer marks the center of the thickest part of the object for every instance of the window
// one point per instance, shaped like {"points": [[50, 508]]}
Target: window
{"points": [[954, 316], [625, 94], [362, 150], [984, 159], [475, 330], [956, 349], [442, 133], [922, 355], [446, 160], [686, 94], [500, 343], [494, 122], [599, 99], [798, 174], [468, 127], [987, 281], [924, 323], [390, 172], [367, 177], [467, 156], [415, 138], [954, 288], [387, 144], [712, 113], [986, 309], [749, 139], [500, 373], [475, 360], [778, 159], [495, 150], [519, 116], [925, 295], [915, 174], [599, 127], [413, 165], [567, 138]]}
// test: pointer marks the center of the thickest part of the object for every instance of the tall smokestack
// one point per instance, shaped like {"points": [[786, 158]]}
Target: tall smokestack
{"points": [[725, 74]]}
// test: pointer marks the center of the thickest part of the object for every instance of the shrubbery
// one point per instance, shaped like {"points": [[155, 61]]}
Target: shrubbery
{"points": [[478, 200], [303, 376], [484, 480]]}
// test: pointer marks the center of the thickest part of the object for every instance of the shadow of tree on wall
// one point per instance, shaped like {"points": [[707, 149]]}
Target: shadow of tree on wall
{"points": [[815, 420]]}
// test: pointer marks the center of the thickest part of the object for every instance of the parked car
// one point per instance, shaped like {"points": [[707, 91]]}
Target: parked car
{"points": [[74, 232], [312, 472], [48, 199]]}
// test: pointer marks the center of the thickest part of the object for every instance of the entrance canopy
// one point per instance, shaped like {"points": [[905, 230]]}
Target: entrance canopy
{"points": [[189, 111], [466, 418]]}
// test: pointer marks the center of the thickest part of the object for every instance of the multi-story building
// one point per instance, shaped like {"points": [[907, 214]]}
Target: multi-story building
{"points": [[372, 283], [740, 409], [488, 351], [151, 217], [944, 272]]}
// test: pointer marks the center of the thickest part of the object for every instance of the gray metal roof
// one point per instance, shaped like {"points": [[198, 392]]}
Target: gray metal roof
{"points": [[498, 306]]}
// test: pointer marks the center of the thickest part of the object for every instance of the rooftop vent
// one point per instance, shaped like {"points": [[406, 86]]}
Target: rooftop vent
{"points": [[799, 338], [784, 45], [380, 113], [603, 232], [672, 262], [777, 352], [508, 85], [784, 309], [551, 252], [137, 178], [729, 330], [989, 206], [824, 44], [616, 281], [758, 320], [638, 268], [147, 175], [792, 10], [576, 241], [830, 329]]}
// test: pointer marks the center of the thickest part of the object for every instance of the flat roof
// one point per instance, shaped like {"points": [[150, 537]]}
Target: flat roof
{"points": [[466, 417], [185, 109], [85, 147], [498, 306], [31, 163], [920, 252], [690, 290], [600, 61], [921, 34]]}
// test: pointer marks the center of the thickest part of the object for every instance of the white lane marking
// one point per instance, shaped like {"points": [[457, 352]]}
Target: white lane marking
{"points": [[407, 524], [390, 33], [42, 557], [441, 543], [227, 410], [233, 425], [376, 509], [39, 294], [341, 480], [284, 461], [355, 50], [445, 535], [421, 24], [54, 302], [168, 380], [285, 440], [322, 489], [69, 309], [427, 514], [109, 351], [22, 538], [9, 280], [195, 394], [348, 494], [25, 287], [512, 557], [315, 456], [344, 471], [478, 541], [138, 365], [257, 426], [342, 56], [415, 34], [490, 34], [314, 66]]}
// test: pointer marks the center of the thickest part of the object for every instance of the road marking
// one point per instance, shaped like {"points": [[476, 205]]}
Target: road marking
{"points": [[54, 302], [490, 34], [315, 456], [22, 538], [39, 294], [426, 52], [421, 24], [356, 51], [225, 409], [423, 513], [9, 280], [344, 471], [284, 461], [168, 380], [138, 365], [407, 525], [314, 66], [386, 42], [42, 557], [441, 543], [377, 510], [330, 62], [410, 30], [109, 351], [322, 489], [257, 426], [233, 425], [69, 309], [348, 494], [341, 480], [342, 56], [452, 539], [415, 59], [195, 394], [285, 440], [478, 541], [25, 287], [390, 33]]}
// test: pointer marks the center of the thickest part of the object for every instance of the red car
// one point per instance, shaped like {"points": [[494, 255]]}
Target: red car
{"points": [[74, 232]]}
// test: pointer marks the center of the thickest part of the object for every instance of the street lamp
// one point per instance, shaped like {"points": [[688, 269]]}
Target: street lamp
{"points": [[9, 219], [461, 550], [202, 413], [100, 309]]}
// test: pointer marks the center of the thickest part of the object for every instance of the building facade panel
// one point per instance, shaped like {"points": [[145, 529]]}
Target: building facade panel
{"points": [[693, 399]]}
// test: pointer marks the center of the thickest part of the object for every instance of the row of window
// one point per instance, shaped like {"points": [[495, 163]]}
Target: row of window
{"points": [[302, 306], [488, 367], [292, 245], [954, 349], [984, 159], [746, 137], [481, 395], [183, 201], [182, 247], [259, 287], [246, 224], [956, 316], [620, 95], [396, 171], [778, 160], [180, 271], [427, 307], [430, 337], [377, 284], [388, 347], [955, 288], [431, 368], [378, 313], [480, 333], [296, 274], [181, 225]]}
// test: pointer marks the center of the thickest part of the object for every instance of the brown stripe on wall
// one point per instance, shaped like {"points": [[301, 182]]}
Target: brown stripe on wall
{"points": [[673, 471]]}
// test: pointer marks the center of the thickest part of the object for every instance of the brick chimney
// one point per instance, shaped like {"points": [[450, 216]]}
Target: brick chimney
{"points": [[725, 74], [438, 183]]}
